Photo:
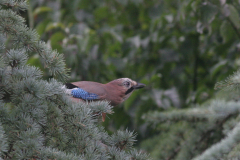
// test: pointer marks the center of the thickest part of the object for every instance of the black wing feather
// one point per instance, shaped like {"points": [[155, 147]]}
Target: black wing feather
{"points": [[70, 86]]}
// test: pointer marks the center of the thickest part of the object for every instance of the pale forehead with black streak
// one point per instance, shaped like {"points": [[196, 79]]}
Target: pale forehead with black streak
{"points": [[128, 84], [124, 81]]}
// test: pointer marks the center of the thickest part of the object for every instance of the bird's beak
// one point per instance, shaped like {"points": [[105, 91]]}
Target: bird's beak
{"points": [[139, 85]]}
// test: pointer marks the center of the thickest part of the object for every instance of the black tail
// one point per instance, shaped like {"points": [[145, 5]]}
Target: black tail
{"points": [[70, 86]]}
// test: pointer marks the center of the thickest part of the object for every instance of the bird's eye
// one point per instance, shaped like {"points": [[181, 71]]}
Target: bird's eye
{"points": [[127, 84]]}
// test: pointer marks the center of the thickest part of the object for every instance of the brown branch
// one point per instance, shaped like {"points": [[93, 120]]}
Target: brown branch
{"points": [[208, 133], [174, 153], [204, 136], [234, 27], [196, 64]]}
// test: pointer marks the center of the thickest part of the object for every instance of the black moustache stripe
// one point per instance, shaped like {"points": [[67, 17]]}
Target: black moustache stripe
{"points": [[129, 90]]}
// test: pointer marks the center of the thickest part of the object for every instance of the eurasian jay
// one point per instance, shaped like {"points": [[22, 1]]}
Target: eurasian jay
{"points": [[116, 91]]}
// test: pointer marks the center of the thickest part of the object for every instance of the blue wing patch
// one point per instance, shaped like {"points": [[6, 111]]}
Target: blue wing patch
{"points": [[80, 93]]}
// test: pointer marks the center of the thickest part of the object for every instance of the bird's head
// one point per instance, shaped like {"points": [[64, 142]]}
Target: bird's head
{"points": [[125, 86]]}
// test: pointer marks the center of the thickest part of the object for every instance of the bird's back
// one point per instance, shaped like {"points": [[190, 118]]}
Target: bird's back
{"points": [[101, 91], [92, 87]]}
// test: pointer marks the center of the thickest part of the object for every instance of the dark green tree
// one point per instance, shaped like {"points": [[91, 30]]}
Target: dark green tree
{"points": [[210, 131], [179, 49], [37, 119]]}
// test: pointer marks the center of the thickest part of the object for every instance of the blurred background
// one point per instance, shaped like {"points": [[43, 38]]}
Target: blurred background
{"points": [[178, 48]]}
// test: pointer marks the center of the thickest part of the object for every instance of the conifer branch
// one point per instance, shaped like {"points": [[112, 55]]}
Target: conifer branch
{"points": [[230, 83], [12, 24], [38, 119], [218, 150], [217, 110], [15, 4]]}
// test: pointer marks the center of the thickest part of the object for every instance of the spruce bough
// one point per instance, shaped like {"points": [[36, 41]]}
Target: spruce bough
{"points": [[37, 120]]}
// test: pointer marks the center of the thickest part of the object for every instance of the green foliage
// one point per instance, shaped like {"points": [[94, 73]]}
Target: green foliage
{"points": [[234, 16], [3, 141], [179, 49], [27, 39], [37, 119], [15, 4], [220, 150], [203, 126]]}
